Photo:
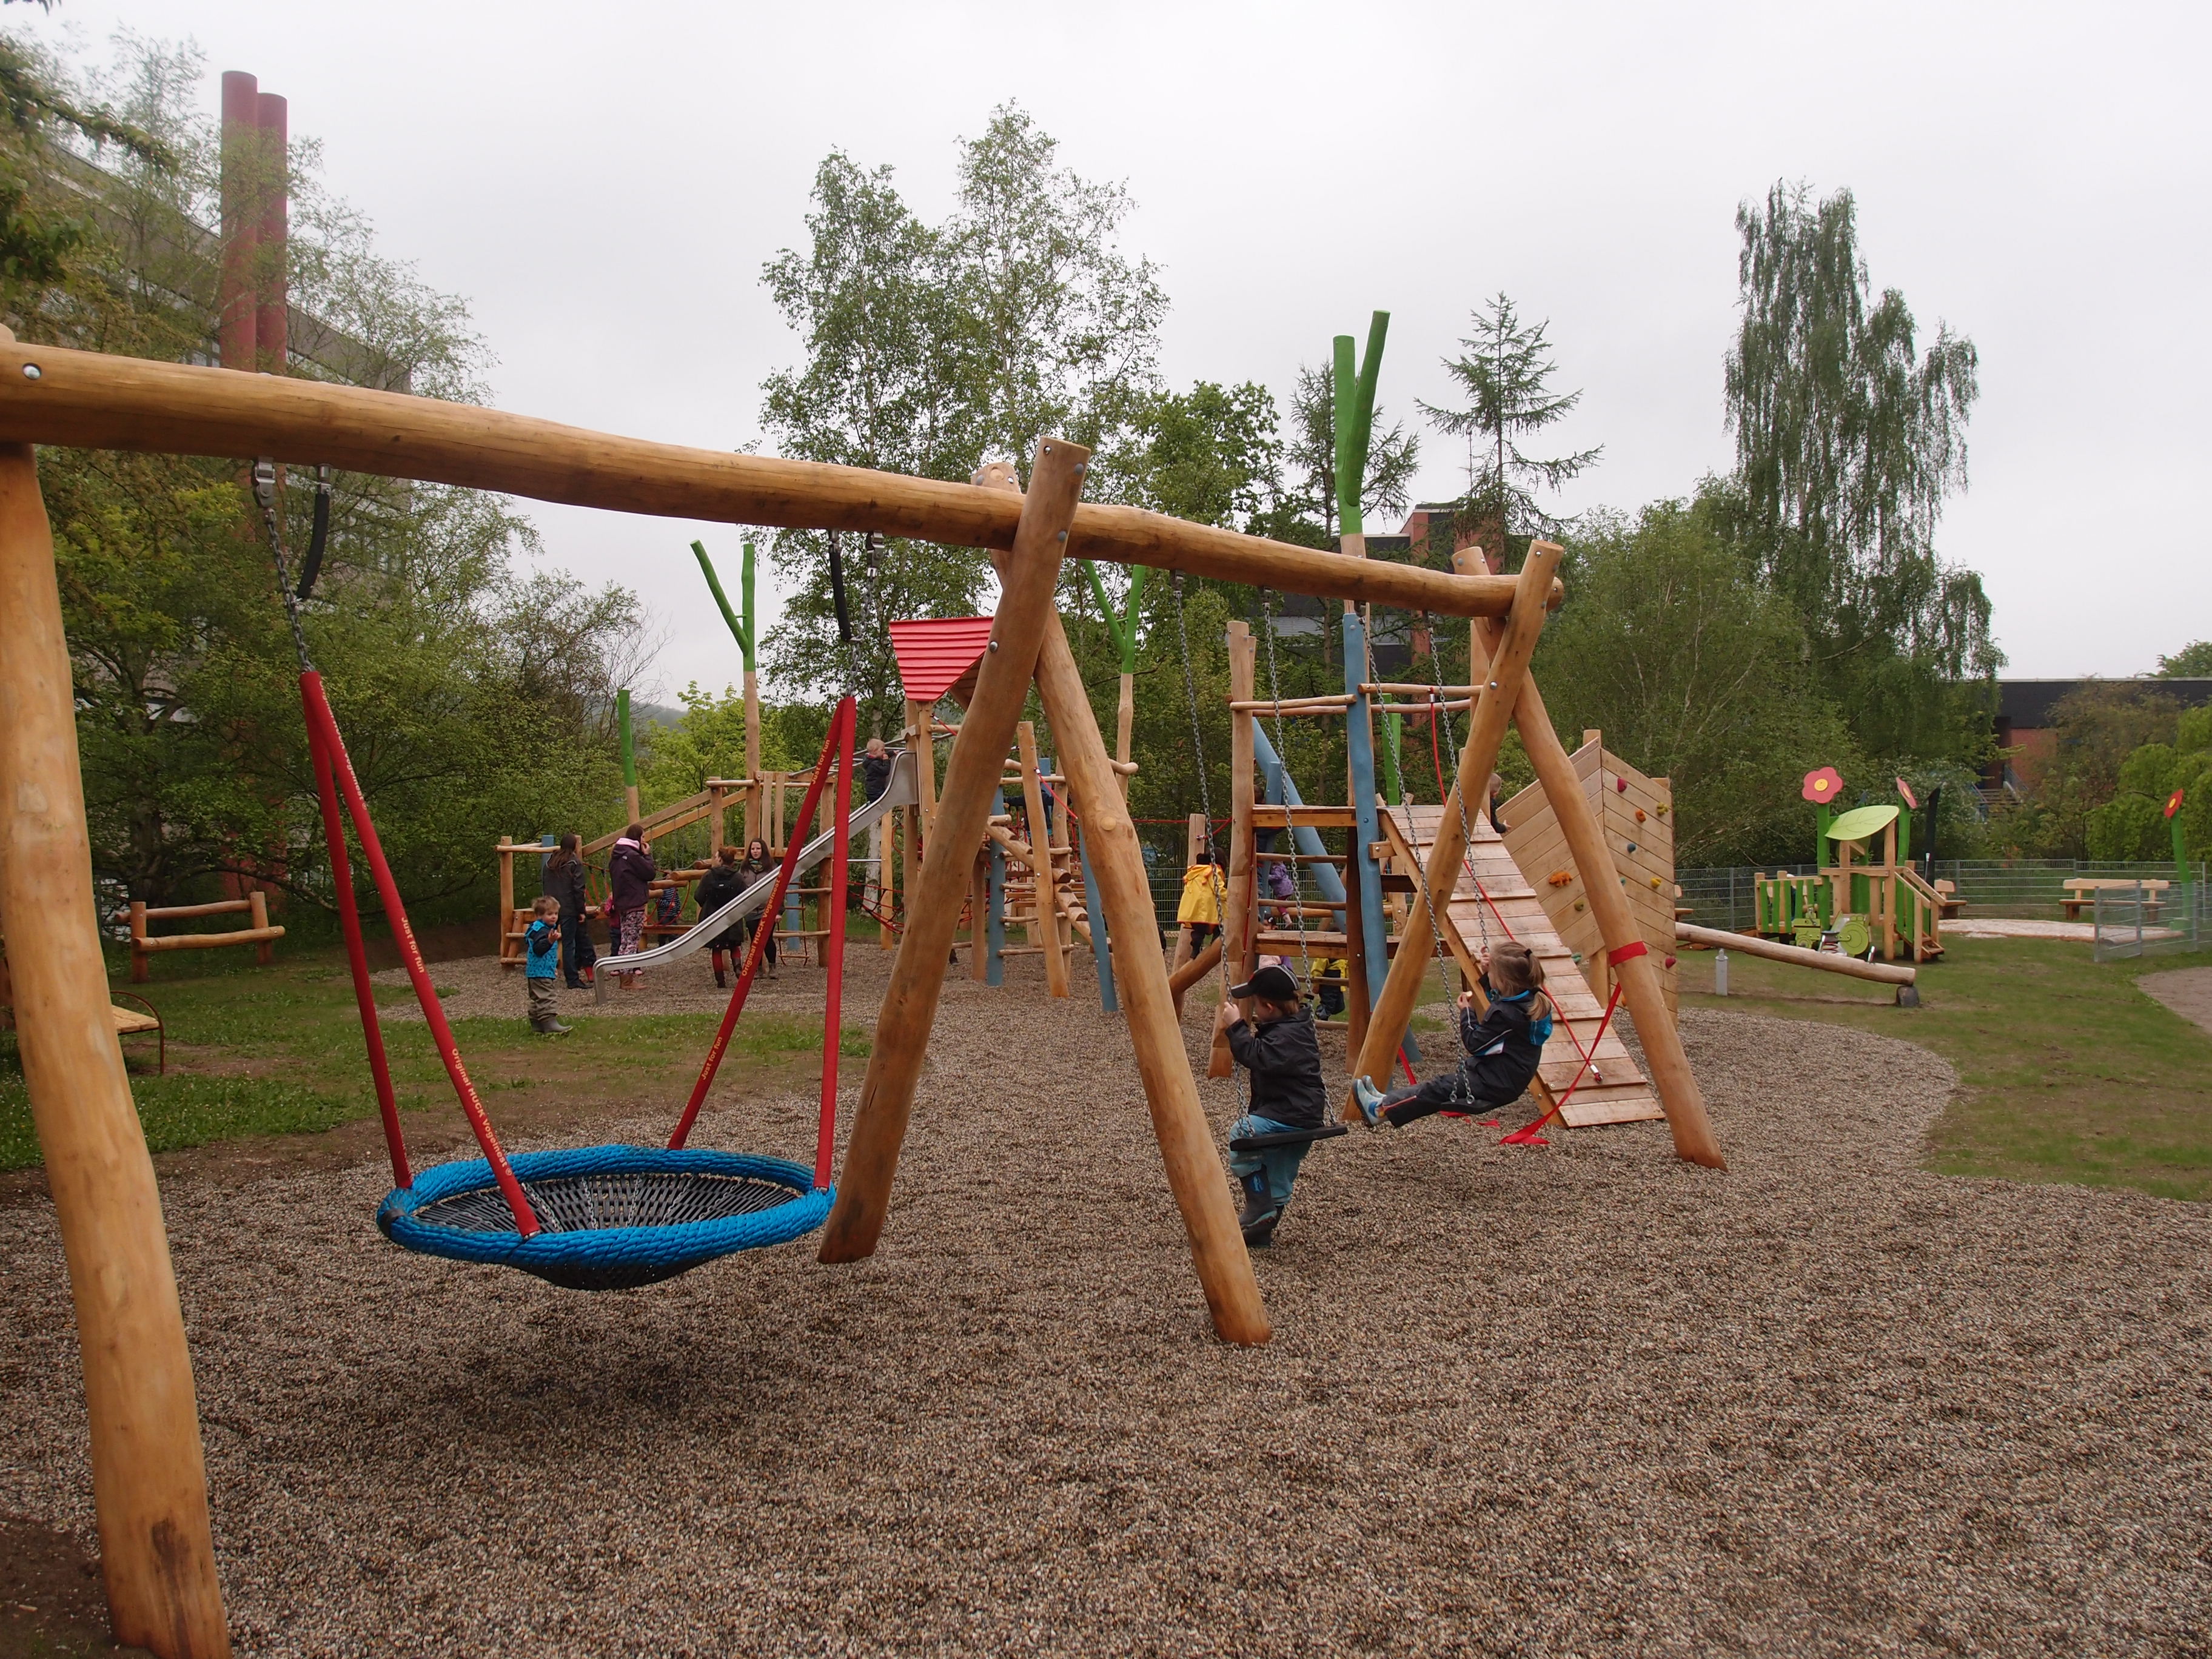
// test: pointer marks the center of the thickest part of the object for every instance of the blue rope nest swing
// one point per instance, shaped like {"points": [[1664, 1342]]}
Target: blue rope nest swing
{"points": [[610, 1217], [591, 1218]]}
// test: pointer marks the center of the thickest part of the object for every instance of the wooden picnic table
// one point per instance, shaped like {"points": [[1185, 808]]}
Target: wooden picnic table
{"points": [[2082, 890]]}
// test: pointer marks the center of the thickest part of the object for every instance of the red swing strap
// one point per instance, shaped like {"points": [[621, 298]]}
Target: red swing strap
{"points": [[323, 726], [838, 744], [1527, 1135], [372, 1031]]}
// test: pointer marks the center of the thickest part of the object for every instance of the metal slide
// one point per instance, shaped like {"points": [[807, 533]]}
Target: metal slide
{"points": [[900, 791]]}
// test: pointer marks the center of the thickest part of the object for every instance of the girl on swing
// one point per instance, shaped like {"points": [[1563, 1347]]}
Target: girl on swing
{"points": [[1503, 1046]]}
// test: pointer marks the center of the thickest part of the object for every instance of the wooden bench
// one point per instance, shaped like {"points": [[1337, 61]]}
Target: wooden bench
{"points": [[1948, 904], [2082, 890]]}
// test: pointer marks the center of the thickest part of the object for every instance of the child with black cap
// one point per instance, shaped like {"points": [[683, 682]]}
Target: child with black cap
{"points": [[1278, 1047]]}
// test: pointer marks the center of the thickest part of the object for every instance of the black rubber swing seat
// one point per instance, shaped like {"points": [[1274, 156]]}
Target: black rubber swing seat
{"points": [[1288, 1138]]}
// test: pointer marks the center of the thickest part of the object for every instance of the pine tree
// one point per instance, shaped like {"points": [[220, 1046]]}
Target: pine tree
{"points": [[1507, 376]]}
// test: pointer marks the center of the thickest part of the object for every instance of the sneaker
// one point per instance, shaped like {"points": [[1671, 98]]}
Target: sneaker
{"points": [[1371, 1102]]}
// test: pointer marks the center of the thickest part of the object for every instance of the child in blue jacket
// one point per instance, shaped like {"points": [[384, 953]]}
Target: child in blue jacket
{"points": [[541, 963]]}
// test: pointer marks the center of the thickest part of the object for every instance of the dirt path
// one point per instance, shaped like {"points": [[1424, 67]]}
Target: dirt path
{"points": [[1584, 1398], [2187, 991]]}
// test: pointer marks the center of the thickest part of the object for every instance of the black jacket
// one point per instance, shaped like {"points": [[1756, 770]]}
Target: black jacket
{"points": [[1284, 1057], [565, 882], [1502, 1076], [876, 774], [721, 883]]}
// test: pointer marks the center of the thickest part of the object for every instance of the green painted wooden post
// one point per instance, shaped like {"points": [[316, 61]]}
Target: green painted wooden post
{"points": [[741, 628], [1120, 622], [1354, 389]]}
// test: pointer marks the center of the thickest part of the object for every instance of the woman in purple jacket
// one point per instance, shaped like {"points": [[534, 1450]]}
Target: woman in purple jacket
{"points": [[630, 872]]}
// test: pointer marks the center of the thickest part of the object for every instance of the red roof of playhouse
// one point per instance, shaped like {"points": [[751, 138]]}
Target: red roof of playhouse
{"points": [[936, 655]]}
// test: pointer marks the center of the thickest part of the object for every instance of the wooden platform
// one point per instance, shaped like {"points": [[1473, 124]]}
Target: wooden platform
{"points": [[1619, 1093]]}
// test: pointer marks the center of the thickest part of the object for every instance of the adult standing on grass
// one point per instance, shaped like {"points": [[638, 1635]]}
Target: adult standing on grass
{"points": [[630, 873], [562, 879]]}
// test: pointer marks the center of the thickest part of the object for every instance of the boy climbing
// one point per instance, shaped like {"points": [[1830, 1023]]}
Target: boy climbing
{"points": [[1503, 1046], [1278, 1047]]}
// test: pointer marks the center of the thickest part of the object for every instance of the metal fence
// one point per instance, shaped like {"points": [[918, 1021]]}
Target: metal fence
{"points": [[1987, 887], [2143, 921]]}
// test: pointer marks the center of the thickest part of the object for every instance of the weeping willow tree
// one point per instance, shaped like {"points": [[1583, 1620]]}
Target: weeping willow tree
{"points": [[1848, 439]]}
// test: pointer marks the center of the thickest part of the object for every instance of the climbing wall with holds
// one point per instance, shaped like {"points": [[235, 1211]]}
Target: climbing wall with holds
{"points": [[1494, 900], [1638, 816]]}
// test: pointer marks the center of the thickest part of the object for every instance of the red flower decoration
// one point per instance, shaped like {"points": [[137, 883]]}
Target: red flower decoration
{"points": [[2173, 804], [1906, 790], [1823, 786]]}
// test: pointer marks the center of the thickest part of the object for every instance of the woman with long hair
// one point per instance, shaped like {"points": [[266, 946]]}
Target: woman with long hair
{"points": [[562, 878], [760, 863]]}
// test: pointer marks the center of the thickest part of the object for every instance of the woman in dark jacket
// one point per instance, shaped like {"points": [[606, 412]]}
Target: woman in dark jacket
{"points": [[759, 865], [562, 879], [630, 875], [721, 883]]}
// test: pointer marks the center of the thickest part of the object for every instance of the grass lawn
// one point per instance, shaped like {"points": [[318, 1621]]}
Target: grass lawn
{"points": [[277, 1050], [2067, 1072]]}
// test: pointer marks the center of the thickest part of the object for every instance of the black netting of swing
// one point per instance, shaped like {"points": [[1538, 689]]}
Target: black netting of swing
{"points": [[589, 1203]]}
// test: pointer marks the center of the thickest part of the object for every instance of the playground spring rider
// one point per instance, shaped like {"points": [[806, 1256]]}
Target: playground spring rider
{"points": [[593, 1218]]}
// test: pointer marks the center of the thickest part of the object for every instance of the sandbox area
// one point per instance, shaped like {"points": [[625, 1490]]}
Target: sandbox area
{"points": [[1584, 1398]]}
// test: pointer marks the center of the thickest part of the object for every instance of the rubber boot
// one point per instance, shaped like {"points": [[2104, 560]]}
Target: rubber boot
{"points": [[1257, 1221], [721, 980]]}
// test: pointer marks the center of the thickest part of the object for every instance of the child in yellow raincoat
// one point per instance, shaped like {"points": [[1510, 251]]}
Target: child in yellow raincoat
{"points": [[1199, 913]]}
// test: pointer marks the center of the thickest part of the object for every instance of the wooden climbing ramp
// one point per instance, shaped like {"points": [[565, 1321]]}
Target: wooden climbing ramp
{"points": [[1619, 1093]]}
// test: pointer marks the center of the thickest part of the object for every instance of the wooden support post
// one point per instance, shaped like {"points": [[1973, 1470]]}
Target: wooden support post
{"points": [[1236, 908], [256, 916], [141, 967], [1102, 952], [1187, 1148], [1066, 880], [1125, 718], [1029, 587], [1640, 985], [979, 897], [1372, 940], [717, 821], [506, 896], [149, 1480], [994, 949], [1358, 994], [1501, 691], [1044, 927], [753, 801], [925, 776]]}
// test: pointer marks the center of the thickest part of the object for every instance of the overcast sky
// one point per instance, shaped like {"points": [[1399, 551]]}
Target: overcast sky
{"points": [[604, 185]]}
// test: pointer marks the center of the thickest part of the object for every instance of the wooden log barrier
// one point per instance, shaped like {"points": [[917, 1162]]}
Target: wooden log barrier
{"points": [[148, 1481], [1828, 961], [971, 781], [96, 401]]}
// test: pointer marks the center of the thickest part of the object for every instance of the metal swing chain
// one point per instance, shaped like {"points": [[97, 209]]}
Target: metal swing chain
{"points": [[1440, 719], [1206, 808], [264, 492], [1283, 762]]}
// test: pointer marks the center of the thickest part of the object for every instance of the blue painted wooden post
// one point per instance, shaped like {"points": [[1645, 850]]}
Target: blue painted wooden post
{"points": [[994, 935], [1100, 948], [1275, 782], [1359, 740]]}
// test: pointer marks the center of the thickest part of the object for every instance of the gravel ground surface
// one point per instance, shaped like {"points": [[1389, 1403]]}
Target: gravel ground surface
{"points": [[2187, 991], [1578, 1399]]}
